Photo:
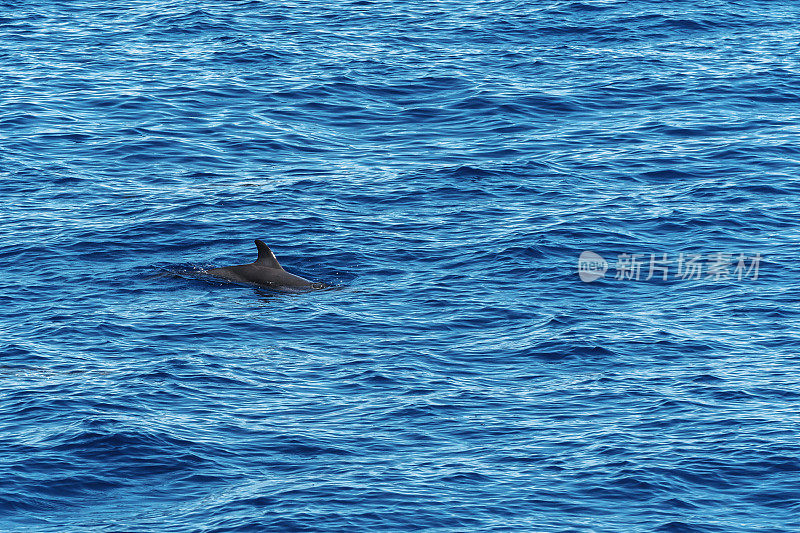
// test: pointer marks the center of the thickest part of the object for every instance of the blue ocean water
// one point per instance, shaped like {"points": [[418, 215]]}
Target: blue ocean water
{"points": [[443, 165]]}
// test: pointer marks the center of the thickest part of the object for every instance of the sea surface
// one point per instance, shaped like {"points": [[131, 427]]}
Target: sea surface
{"points": [[442, 165]]}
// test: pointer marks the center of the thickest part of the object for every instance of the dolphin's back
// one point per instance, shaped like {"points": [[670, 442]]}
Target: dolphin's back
{"points": [[260, 275], [264, 271]]}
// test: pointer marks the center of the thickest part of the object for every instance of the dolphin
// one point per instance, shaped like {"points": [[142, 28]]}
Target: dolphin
{"points": [[265, 271]]}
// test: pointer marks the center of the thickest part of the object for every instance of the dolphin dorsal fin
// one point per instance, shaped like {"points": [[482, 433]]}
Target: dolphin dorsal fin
{"points": [[265, 256]]}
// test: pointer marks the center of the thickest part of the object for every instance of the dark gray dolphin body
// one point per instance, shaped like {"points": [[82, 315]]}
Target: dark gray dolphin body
{"points": [[265, 271]]}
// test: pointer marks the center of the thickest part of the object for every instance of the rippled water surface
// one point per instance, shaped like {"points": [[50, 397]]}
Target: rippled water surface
{"points": [[442, 165]]}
